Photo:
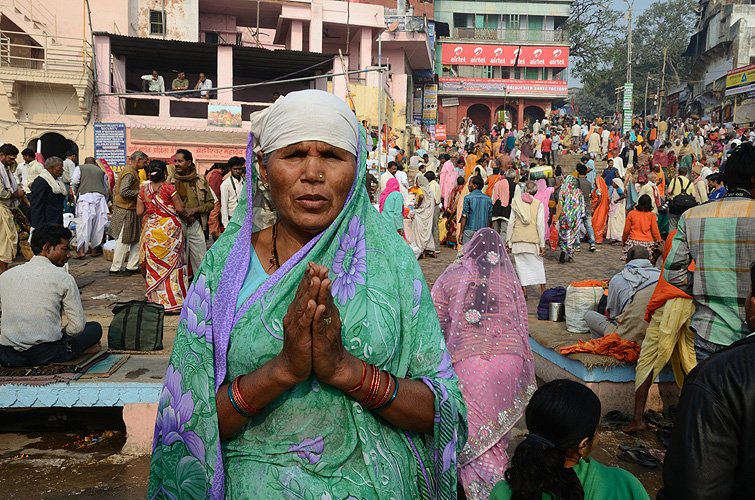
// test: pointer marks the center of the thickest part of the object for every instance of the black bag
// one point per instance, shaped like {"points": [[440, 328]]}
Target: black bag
{"points": [[137, 326], [683, 201]]}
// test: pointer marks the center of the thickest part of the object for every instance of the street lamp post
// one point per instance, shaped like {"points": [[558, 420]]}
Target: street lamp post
{"points": [[629, 41]]}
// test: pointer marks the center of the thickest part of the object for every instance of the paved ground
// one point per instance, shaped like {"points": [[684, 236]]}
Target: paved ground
{"points": [[39, 453]]}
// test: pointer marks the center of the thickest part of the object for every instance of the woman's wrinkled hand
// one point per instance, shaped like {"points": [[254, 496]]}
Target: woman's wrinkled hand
{"points": [[331, 362], [295, 359]]}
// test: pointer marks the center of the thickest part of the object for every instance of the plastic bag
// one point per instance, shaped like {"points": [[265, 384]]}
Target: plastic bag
{"points": [[579, 300], [554, 237]]}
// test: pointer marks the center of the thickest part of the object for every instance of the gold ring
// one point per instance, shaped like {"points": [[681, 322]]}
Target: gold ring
{"points": [[327, 321]]}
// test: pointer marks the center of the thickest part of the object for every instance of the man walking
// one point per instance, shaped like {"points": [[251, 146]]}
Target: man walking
{"points": [[124, 224], [195, 192], [435, 188], [477, 210], [718, 236], [90, 187], [231, 189], [29, 170]]}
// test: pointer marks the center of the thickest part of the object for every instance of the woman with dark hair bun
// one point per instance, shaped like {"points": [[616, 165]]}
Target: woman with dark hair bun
{"points": [[161, 250], [553, 461]]}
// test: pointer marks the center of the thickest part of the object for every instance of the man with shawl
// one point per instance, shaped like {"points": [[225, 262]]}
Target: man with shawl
{"points": [[257, 416], [526, 237], [570, 211], [483, 316], [629, 293], [47, 194], [10, 194], [199, 201], [124, 224]]}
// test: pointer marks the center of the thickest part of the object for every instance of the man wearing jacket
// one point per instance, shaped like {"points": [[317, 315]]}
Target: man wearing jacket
{"points": [[710, 455], [199, 201]]}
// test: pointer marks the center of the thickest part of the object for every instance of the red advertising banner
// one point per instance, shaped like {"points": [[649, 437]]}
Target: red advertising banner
{"points": [[504, 55], [440, 132], [512, 87]]}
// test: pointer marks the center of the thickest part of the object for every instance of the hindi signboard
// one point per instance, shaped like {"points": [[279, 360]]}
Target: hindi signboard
{"points": [[440, 133], [110, 144], [628, 95]]}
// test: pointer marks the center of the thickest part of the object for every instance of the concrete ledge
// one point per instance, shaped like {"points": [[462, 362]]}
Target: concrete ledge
{"points": [[614, 386], [78, 394]]}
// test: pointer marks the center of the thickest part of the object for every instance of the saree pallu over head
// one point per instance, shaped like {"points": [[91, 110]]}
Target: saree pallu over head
{"points": [[313, 442], [483, 315]]}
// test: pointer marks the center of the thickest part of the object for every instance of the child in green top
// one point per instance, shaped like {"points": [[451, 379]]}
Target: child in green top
{"points": [[553, 460]]}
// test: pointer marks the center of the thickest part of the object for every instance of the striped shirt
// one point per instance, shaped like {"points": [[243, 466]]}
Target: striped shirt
{"points": [[720, 237]]}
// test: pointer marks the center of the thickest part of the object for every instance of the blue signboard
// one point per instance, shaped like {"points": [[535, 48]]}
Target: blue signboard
{"points": [[110, 144]]}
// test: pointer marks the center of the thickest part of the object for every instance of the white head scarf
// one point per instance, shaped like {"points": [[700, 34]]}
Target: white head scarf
{"points": [[306, 115]]}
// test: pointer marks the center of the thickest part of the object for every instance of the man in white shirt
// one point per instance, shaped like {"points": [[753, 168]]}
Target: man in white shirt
{"points": [[153, 83], [28, 171], [576, 132], [231, 189], [90, 186], [42, 287], [203, 84], [69, 165], [403, 184], [386, 176]]}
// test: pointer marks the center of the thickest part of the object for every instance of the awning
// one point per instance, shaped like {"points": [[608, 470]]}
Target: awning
{"points": [[194, 57]]}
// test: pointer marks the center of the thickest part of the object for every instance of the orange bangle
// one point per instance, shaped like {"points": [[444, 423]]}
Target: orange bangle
{"points": [[371, 402], [361, 382], [374, 386]]}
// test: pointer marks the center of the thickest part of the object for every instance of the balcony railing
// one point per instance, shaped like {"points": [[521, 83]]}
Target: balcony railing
{"points": [[511, 35], [19, 50]]}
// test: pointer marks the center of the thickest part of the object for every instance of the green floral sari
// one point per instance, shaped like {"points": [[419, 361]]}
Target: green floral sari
{"points": [[313, 442]]}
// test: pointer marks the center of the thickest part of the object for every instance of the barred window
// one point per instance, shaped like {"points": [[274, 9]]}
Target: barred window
{"points": [[156, 22]]}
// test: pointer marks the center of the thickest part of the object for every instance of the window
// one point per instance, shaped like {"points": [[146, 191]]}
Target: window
{"points": [[156, 22], [531, 73], [487, 72], [463, 20], [211, 37], [512, 21]]}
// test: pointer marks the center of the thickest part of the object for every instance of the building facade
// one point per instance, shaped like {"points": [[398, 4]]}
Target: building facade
{"points": [[502, 61], [74, 79], [724, 41]]}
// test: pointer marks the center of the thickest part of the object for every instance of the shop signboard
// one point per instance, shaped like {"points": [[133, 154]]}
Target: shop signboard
{"points": [[504, 55], [740, 80]]}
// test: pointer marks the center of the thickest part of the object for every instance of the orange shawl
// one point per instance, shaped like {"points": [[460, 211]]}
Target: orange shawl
{"points": [[608, 345]]}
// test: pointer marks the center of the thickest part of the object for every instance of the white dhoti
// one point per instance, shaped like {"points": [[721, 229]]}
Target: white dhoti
{"points": [[91, 218], [529, 268]]}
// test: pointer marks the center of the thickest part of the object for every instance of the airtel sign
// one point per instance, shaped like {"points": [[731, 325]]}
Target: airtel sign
{"points": [[505, 55]]}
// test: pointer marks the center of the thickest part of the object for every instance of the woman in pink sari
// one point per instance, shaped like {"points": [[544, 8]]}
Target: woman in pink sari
{"points": [[484, 321], [544, 195]]}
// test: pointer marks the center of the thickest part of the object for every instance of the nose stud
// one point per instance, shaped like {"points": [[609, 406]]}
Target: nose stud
{"points": [[321, 177]]}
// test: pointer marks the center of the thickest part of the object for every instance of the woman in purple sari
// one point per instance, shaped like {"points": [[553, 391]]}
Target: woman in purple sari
{"points": [[484, 321]]}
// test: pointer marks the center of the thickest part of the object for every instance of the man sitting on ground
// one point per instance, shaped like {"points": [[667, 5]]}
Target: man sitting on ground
{"points": [[629, 293], [34, 297]]}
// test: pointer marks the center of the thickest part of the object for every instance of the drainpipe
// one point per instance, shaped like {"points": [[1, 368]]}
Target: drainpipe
{"points": [[165, 18]]}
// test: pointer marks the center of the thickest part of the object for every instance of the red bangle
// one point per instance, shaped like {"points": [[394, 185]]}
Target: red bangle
{"points": [[371, 401], [361, 382], [374, 386], [386, 395], [239, 400]]}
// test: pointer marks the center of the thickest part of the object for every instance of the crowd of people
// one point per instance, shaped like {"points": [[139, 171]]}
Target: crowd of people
{"points": [[159, 215], [360, 381]]}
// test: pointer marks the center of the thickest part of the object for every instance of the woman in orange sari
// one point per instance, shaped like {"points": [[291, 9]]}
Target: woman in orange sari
{"points": [[161, 250], [600, 203]]}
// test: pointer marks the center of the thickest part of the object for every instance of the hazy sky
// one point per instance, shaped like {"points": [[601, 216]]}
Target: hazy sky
{"points": [[638, 8]]}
